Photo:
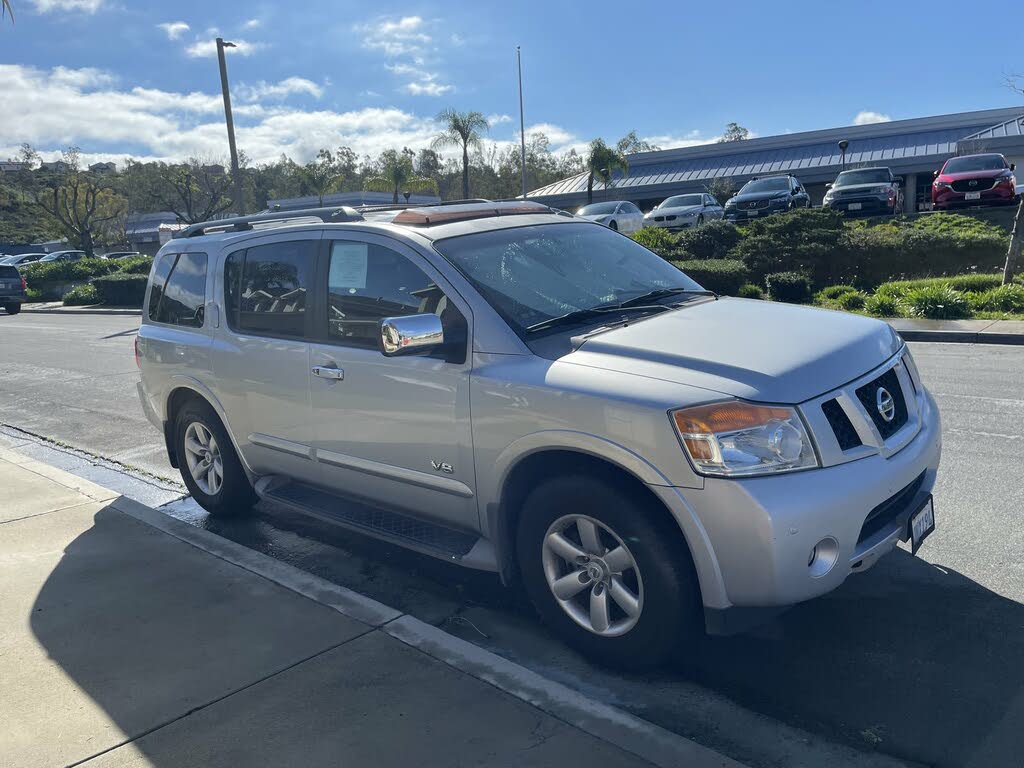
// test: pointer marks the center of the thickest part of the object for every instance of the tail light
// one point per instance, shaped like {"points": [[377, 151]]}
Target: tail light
{"points": [[24, 285]]}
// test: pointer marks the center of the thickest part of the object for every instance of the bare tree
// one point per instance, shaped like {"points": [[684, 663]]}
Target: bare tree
{"points": [[1013, 252], [195, 191]]}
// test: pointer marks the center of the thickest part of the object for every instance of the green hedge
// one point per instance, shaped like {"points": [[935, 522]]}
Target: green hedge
{"points": [[659, 240], [724, 276], [135, 265], [67, 271], [83, 294], [792, 287], [713, 240], [121, 290]]}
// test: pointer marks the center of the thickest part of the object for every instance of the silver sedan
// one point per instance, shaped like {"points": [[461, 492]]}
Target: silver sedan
{"points": [[615, 214], [684, 211]]}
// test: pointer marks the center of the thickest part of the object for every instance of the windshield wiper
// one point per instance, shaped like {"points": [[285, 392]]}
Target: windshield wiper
{"points": [[660, 293], [579, 315]]}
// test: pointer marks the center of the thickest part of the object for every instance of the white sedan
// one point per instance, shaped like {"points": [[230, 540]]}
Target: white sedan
{"points": [[616, 214], [684, 211]]}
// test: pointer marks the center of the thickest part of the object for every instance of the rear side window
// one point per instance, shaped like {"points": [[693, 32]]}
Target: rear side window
{"points": [[266, 288], [178, 295]]}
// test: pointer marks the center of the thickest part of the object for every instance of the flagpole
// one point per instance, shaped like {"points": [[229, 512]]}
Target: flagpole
{"points": [[522, 121]]}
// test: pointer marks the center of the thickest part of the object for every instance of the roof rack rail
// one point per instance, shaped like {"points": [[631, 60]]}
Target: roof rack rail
{"points": [[405, 206], [332, 215]]}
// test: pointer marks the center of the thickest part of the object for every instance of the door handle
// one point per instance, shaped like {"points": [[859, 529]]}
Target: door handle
{"points": [[331, 374]]}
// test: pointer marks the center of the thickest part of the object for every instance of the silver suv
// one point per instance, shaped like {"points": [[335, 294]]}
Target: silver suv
{"points": [[522, 391]]}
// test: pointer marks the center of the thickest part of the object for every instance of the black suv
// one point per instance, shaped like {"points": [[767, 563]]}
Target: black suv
{"points": [[12, 289], [865, 190], [761, 197]]}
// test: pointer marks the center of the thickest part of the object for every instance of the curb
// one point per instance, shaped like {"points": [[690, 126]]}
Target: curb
{"points": [[113, 311], [632, 734], [964, 337]]}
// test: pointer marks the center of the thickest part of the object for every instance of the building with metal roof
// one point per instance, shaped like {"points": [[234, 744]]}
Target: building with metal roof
{"points": [[913, 149]]}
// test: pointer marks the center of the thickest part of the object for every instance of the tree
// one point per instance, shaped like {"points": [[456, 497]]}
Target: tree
{"points": [[721, 188], [194, 191], [602, 162], [734, 132], [395, 174], [461, 129], [1013, 252], [631, 144], [322, 175], [85, 211]]}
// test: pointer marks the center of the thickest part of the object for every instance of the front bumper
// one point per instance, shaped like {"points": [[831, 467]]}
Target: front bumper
{"points": [[868, 204], [744, 214], [675, 223], [756, 535], [948, 198]]}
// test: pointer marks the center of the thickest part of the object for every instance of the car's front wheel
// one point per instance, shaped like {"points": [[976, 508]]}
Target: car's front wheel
{"points": [[12, 309], [613, 225], [208, 463], [607, 573]]}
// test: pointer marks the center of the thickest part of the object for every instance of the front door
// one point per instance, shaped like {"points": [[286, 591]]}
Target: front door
{"points": [[394, 430]]}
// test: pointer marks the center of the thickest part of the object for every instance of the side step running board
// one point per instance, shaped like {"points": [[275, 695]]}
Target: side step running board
{"points": [[429, 538]]}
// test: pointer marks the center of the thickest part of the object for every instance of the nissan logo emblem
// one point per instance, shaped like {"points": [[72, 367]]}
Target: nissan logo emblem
{"points": [[886, 405]]}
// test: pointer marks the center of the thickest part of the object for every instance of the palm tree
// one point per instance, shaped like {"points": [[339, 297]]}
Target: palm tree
{"points": [[397, 176], [461, 129], [602, 162]]}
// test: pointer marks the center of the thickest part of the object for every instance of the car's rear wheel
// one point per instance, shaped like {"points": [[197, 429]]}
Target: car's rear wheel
{"points": [[12, 309], [606, 574], [208, 463]]}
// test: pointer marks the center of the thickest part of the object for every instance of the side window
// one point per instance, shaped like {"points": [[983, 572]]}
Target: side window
{"points": [[184, 297], [160, 275], [266, 288], [367, 283]]}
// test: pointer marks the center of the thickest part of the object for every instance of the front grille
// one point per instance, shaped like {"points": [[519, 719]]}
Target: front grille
{"points": [[846, 435], [854, 192], [881, 516], [755, 204], [868, 396], [670, 218], [973, 185]]}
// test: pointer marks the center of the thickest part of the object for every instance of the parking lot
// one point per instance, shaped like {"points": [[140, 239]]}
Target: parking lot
{"points": [[920, 658]]}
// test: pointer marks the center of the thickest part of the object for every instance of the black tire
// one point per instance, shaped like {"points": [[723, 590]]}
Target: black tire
{"points": [[235, 495], [12, 309], [613, 225], [670, 623]]}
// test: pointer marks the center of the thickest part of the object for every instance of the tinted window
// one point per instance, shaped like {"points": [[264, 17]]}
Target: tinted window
{"points": [[597, 208], [267, 288], [777, 184], [863, 176], [367, 283], [184, 296], [9, 272], [680, 201], [156, 286]]}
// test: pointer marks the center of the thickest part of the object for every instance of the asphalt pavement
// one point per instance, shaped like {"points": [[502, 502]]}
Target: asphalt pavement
{"points": [[921, 658]]}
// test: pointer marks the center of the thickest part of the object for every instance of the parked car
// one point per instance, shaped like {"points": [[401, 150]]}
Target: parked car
{"points": [[684, 211], [511, 389], [120, 255], [615, 214], [865, 191], [62, 256], [974, 180], [22, 259], [13, 290], [762, 197]]}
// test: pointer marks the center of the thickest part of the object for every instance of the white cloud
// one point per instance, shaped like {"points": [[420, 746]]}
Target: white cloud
{"points": [[423, 82], [866, 117], [252, 24], [691, 139], [427, 88], [395, 37], [499, 119], [457, 39], [174, 29], [87, 77], [281, 89], [203, 48], [86, 6]]}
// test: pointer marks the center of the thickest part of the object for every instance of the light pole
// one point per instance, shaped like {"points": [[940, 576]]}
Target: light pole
{"points": [[522, 120], [236, 177], [843, 144]]}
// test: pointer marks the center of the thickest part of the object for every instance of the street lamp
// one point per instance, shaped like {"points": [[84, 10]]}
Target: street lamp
{"points": [[235, 175], [843, 144]]}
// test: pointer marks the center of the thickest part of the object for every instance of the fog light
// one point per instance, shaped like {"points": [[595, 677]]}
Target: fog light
{"points": [[823, 557]]}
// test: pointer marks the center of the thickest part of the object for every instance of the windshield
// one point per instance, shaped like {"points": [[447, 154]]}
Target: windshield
{"points": [[680, 201], [864, 176], [533, 274], [596, 208], [974, 163], [780, 184]]}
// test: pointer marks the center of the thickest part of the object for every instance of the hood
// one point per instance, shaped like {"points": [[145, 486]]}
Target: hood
{"points": [[859, 187], [755, 350], [749, 196], [595, 216], [674, 211], [972, 174]]}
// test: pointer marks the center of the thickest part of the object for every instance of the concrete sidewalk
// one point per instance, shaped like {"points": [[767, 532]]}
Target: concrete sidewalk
{"points": [[57, 307], [128, 638]]}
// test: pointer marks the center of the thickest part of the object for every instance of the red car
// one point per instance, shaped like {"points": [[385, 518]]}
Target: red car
{"points": [[974, 180]]}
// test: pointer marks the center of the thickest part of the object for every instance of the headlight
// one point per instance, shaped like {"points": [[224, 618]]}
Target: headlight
{"points": [[738, 439], [943, 185]]}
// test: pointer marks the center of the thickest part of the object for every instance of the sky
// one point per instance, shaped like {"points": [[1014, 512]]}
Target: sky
{"points": [[133, 78]]}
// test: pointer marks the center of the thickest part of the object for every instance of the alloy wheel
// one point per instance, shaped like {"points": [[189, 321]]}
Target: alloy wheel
{"points": [[205, 463]]}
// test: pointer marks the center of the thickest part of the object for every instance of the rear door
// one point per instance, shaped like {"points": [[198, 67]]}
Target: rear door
{"points": [[261, 358]]}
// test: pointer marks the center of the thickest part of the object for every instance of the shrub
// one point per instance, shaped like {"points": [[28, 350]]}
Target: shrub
{"points": [[937, 302], [34, 294], [750, 291], [792, 287], [121, 290], [852, 301], [724, 276], [807, 241], [134, 265], [714, 240], [881, 305], [661, 241], [83, 294], [833, 292], [1005, 298], [67, 271]]}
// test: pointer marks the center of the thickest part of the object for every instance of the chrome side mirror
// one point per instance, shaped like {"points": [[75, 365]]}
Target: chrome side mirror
{"points": [[409, 334]]}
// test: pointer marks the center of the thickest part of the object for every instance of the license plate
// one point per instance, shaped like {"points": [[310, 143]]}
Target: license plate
{"points": [[751, 213], [922, 523], [972, 196], [5, 284], [855, 206]]}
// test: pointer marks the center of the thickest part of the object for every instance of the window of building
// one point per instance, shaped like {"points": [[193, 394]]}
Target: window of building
{"points": [[267, 287]]}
